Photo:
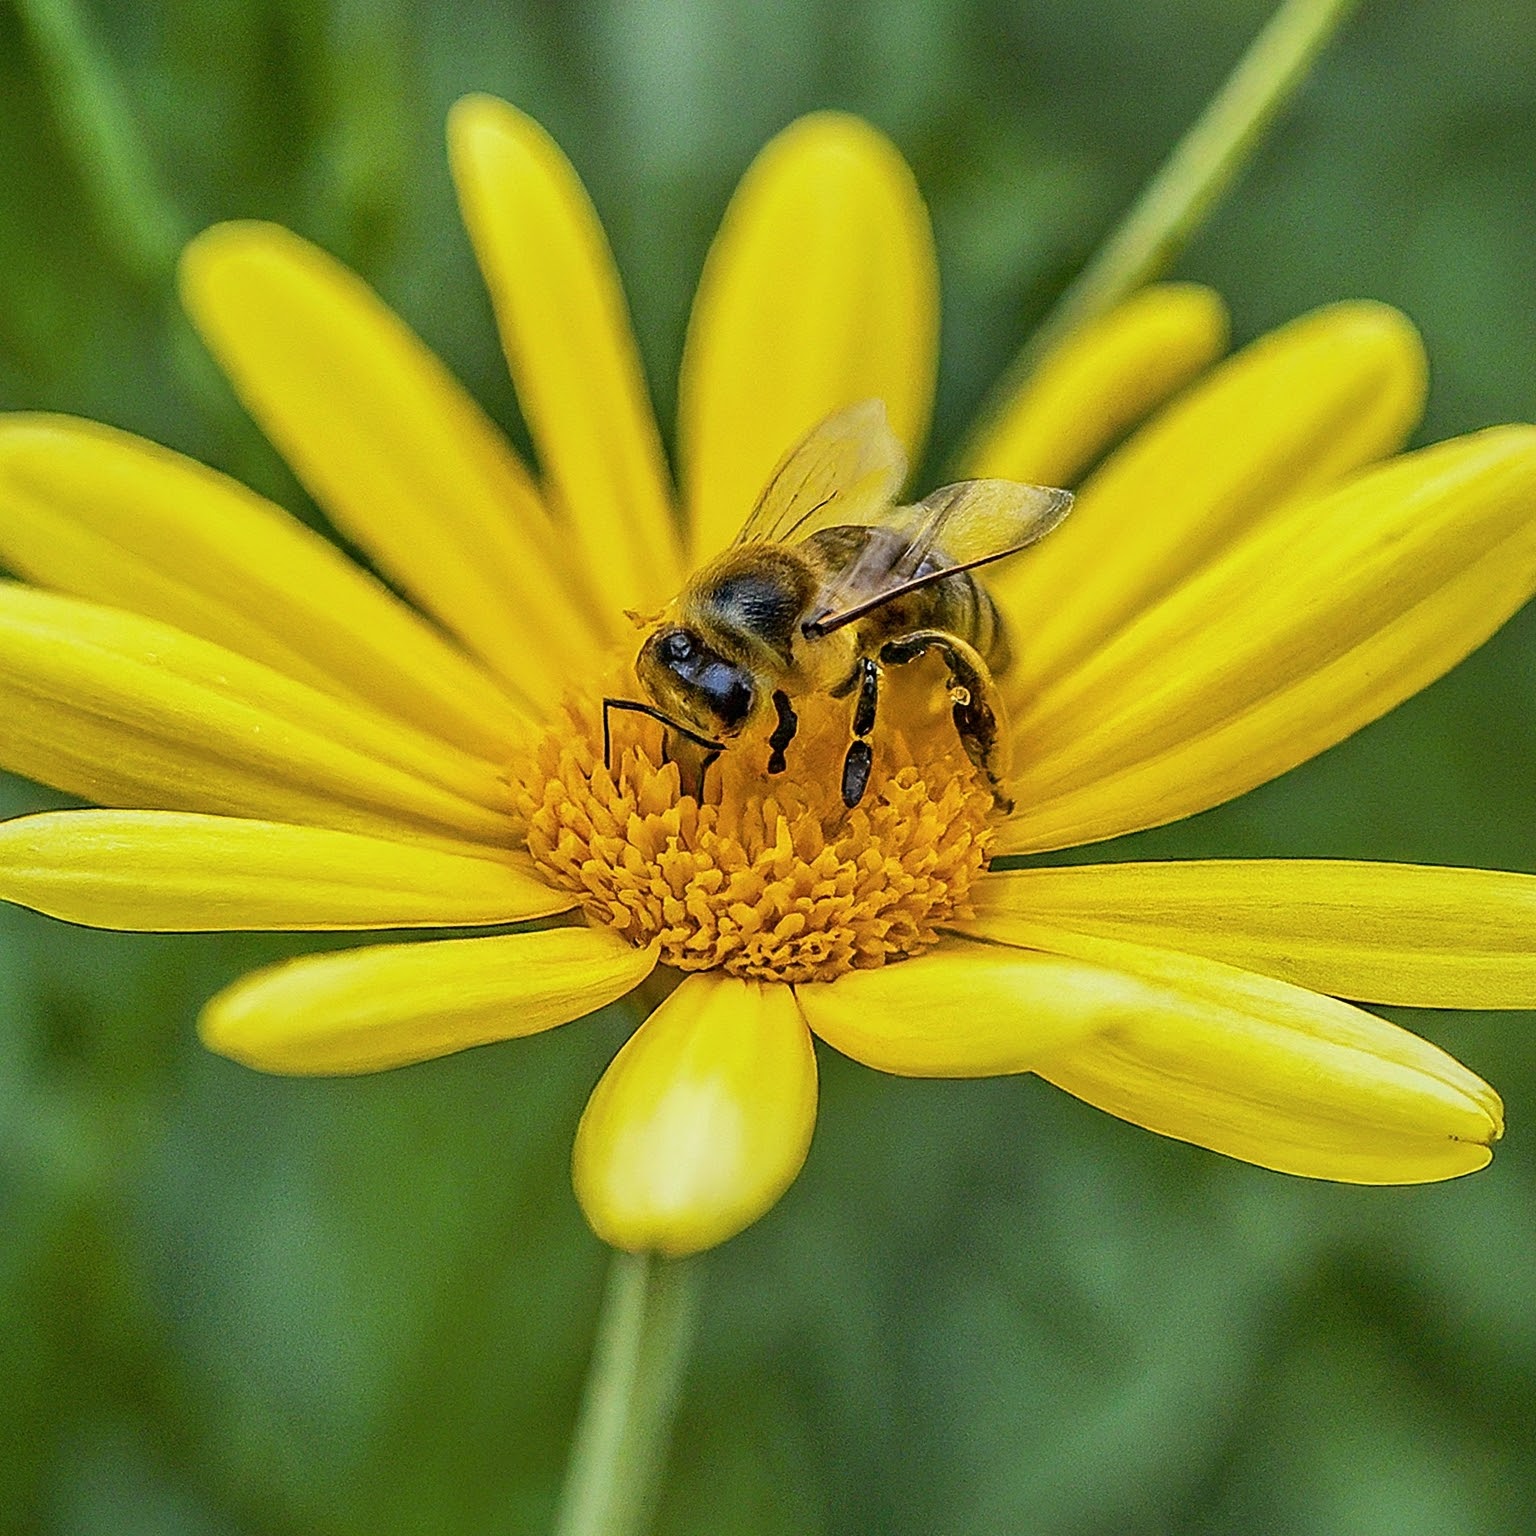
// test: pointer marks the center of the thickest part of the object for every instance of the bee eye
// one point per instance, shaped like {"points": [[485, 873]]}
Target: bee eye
{"points": [[676, 646]]}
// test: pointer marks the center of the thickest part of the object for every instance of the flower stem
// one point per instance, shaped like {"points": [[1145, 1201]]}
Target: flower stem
{"points": [[94, 116], [1202, 167], [620, 1446]]}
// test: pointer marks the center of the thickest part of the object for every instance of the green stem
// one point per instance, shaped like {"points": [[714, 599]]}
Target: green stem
{"points": [[98, 125], [1201, 168], [144, 228], [621, 1439]]}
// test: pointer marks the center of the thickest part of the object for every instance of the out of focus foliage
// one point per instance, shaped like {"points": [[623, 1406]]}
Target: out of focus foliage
{"points": [[236, 1304]]}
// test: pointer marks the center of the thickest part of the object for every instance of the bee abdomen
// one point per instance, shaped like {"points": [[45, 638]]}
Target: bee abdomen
{"points": [[988, 634], [959, 605]]}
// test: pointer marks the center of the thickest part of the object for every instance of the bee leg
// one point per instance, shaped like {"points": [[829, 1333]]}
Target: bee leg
{"points": [[856, 766], [975, 706], [861, 756], [869, 696], [783, 732]]}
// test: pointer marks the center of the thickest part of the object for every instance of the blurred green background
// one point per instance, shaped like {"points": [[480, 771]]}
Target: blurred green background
{"points": [[237, 1304]]}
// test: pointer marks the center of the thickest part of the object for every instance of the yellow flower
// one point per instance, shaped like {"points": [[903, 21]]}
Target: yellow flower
{"points": [[287, 745]]}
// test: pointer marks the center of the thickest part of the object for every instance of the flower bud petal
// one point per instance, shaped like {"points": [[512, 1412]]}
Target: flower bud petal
{"points": [[703, 1119]]}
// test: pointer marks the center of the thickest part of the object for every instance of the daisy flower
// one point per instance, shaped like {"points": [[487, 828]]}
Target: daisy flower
{"points": [[276, 740]]}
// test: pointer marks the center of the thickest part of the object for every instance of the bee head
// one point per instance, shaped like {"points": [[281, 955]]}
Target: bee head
{"points": [[691, 681]]}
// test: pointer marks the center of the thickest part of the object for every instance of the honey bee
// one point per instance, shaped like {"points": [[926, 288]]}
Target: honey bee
{"points": [[829, 583]]}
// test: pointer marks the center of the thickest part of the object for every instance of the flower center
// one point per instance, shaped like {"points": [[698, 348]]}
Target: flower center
{"points": [[766, 876]]}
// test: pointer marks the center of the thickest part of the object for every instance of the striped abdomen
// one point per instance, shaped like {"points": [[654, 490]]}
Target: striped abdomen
{"points": [[957, 603]]}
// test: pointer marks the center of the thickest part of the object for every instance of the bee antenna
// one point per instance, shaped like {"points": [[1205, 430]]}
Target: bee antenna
{"points": [[634, 706]]}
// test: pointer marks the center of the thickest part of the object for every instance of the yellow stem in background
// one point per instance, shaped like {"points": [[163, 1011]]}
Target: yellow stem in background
{"points": [[620, 1445], [1179, 198]]}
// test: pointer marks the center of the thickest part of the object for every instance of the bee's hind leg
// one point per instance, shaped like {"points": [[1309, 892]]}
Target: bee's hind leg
{"points": [[975, 705]]}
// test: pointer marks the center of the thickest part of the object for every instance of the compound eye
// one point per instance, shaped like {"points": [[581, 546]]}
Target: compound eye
{"points": [[676, 646]]}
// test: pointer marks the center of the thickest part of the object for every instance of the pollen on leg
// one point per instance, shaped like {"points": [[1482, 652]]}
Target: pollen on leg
{"points": [[765, 876]]}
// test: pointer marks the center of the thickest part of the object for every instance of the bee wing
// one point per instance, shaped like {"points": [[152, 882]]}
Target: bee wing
{"points": [[957, 528], [848, 469]]}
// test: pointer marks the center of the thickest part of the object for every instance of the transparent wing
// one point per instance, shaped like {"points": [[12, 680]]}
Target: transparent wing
{"points": [[957, 528], [849, 469]]}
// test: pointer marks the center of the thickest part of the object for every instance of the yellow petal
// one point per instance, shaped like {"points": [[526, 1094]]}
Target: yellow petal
{"points": [[368, 1009], [1294, 412], [126, 711], [402, 460], [1409, 934], [820, 290], [566, 332], [164, 872], [1323, 621], [106, 516], [1276, 1075], [1099, 382], [702, 1121], [967, 1010]]}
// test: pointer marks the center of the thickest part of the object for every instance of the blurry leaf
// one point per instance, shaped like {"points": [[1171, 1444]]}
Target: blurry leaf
{"points": [[118, 1485], [1342, 1437], [385, 1280]]}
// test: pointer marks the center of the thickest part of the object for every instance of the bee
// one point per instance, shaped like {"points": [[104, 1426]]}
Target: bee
{"points": [[828, 584]]}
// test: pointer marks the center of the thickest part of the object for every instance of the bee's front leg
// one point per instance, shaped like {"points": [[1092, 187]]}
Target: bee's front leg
{"points": [[861, 756], [783, 732]]}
